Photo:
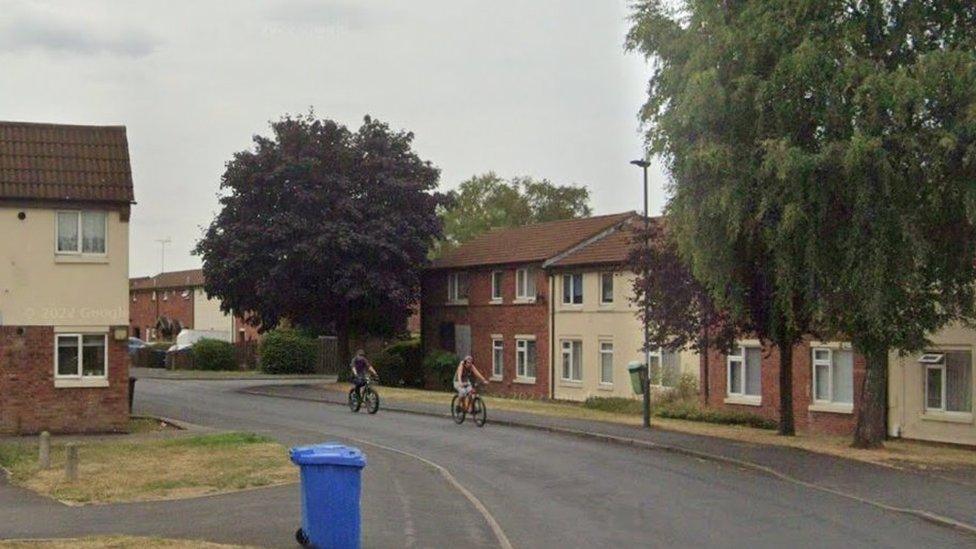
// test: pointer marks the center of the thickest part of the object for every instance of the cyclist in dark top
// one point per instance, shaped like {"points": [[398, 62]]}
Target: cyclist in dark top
{"points": [[462, 380], [360, 367]]}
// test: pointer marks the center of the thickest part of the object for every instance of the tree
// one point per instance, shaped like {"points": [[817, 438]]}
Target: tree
{"points": [[323, 226], [830, 144], [487, 201]]}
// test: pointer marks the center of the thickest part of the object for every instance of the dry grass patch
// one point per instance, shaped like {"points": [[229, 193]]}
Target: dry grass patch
{"points": [[113, 542], [190, 466]]}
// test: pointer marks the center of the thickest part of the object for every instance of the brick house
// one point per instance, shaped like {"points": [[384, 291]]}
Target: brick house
{"points": [[179, 296], [65, 198], [490, 298]]}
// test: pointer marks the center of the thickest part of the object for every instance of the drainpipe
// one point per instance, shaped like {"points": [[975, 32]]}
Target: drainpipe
{"points": [[552, 337]]}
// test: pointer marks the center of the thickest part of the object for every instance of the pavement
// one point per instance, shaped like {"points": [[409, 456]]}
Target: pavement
{"points": [[430, 483], [221, 375]]}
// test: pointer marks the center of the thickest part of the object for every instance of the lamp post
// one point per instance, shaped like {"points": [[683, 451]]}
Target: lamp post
{"points": [[643, 164]]}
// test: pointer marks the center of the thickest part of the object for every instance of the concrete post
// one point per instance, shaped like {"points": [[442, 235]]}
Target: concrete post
{"points": [[44, 450], [71, 462]]}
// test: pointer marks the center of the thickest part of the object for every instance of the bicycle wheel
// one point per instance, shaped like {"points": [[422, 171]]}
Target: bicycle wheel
{"points": [[372, 399], [354, 401], [479, 412], [457, 411]]}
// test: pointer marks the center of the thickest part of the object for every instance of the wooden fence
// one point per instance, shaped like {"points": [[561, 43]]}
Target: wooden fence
{"points": [[327, 359]]}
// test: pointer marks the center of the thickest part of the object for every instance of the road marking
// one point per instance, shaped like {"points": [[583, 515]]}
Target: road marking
{"points": [[496, 528]]}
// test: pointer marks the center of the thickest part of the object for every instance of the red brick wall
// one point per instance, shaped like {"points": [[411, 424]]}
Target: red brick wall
{"points": [[143, 311], [508, 319], [29, 402], [805, 419]]}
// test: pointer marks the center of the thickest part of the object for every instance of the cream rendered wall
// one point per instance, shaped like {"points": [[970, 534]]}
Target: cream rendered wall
{"points": [[208, 316], [593, 323], [41, 288], [906, 387]]}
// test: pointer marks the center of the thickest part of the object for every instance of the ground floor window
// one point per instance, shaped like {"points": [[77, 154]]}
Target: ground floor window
{"points": [[606, 362], [745, 371], [833, 375], [497, 358], [948, 381], [81, 355], [665, 367], [525, 358], [572, 360]]}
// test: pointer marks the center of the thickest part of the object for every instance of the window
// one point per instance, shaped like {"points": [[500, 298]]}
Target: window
{"points": [[497, 358], [80, 356], [154, 295], [573, 289], [524, 284], [457, 286], [606, 288], [833, 376], [606, 362], [744, 371], [949, 381], [81, 232], [496, 285], [572, 360], [665, 367], [525, 358]]}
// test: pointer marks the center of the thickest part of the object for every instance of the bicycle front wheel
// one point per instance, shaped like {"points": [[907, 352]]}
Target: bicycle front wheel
{"points": [[372, 399], [457, 410], [479, 411]]}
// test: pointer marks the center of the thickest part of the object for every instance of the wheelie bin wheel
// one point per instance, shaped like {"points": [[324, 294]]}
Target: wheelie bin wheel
{"points": [[301, 537]]}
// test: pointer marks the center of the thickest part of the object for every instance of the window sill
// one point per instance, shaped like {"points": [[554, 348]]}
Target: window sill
{"points": [[830, 407], [496, 378], [947, 417], [605, 386], [75, 258], [80, 383], [525, 380], [744, 400], [576, 384], [496, 302], [524, 301], [457, 303]]}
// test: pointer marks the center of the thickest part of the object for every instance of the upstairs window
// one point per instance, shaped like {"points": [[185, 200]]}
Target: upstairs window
{"points": [[606, 288], [457, 287], [81, 232], [573, 289], [524, 284], [496, 285]]}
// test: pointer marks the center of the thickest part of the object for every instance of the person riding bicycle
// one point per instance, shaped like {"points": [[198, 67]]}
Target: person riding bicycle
{"points": [[360, 367], [462, 380]]}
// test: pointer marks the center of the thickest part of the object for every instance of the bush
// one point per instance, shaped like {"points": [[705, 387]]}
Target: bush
{"points": [[213, 354], [687, 410], [685, 390], [285, 351], [406, 358], [390, 368], [615, 405], [439, 367]]}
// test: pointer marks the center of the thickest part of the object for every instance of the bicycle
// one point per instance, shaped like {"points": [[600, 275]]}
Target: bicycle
{"points": [[479, 412], [366, 395]]}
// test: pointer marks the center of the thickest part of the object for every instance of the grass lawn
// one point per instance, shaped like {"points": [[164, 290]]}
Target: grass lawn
{"points": [[113, 542], [896, 453], [153, 469]]}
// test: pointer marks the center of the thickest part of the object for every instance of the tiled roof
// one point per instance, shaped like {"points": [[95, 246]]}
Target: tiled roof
{"points": [[63, 162], [611, 249], [527, 244], [173, 279]]}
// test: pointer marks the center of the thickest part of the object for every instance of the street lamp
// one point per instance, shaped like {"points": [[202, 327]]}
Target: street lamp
{"points": [[643, 164]]}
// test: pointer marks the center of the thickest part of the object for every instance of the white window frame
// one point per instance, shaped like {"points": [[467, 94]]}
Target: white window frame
{"points": [[79, 379], [497, 370], [940, 366], [827, 405], [81, 237], [496, 286], [569, 282], [454, 288], [936, 360], [603, 352], [567, 347], [522, 359], [522, 278], [610, 275], [741, 397]]}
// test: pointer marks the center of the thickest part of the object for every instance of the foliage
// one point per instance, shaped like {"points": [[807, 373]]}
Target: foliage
{"points": [[324, 226], [822, 155], [389, 367], [286, 351], [678, 409], [214, 354], [685, 390], [439, 368], [487, 201], [404, 361]]}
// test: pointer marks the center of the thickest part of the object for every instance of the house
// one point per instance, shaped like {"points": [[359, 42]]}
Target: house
{"points": [[65, 199], [179, 298], [595, 323], [490, 298]]}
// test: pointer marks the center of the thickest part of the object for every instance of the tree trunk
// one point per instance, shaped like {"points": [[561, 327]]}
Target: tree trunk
{"points": [[872, 405], [704, 373], [786, 424]]}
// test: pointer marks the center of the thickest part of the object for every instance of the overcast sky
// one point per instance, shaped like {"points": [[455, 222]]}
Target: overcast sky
{"points": [[541, 88]]}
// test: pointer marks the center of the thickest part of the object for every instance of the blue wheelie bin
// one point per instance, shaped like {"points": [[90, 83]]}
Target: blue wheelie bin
{"points": [[330, 495]]}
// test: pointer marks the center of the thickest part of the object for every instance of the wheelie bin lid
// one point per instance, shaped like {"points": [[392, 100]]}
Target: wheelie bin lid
{"points": [[328, 454], [635, 366]]}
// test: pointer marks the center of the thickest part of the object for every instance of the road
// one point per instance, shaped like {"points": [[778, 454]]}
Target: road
{"points": [[542, 490]]}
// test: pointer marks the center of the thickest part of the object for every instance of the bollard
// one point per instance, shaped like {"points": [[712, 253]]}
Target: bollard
{"points": [[44, 450], [71, 462]]}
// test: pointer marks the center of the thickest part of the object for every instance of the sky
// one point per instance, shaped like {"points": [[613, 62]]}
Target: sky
{"points": [[541, 88]]}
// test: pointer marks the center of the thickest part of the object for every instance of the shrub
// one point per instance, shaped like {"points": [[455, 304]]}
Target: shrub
{"points": [[616, 405], [686, 389], [213, 354], [410, 370], [389, 367], [439, 367], [693, 412], [285, 351]]}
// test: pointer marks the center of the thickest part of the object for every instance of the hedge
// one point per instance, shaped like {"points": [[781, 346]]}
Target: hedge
{"points": [[401, 364], [439, 368], [214, 354], [286, 351]]}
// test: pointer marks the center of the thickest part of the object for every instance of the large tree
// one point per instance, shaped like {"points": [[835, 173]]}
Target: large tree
{"points": [[323, 226], [831, 144], [487, 201]]}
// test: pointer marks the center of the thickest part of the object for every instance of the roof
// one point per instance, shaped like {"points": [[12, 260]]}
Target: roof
{"points": [[612, 248], [64, 162], [173, 279], [529, 243]]}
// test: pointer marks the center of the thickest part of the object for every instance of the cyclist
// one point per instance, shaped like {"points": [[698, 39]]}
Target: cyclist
{"points": [[462, 380], [360, 366]]}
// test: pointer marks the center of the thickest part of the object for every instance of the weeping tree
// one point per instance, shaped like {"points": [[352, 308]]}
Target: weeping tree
{"points": [[830, 144]]}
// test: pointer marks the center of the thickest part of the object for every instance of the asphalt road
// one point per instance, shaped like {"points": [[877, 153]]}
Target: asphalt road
{"points": [[543, 490]]}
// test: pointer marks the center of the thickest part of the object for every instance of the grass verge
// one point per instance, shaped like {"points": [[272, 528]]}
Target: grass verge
{"points": [[144, 470], [113, 542]]}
